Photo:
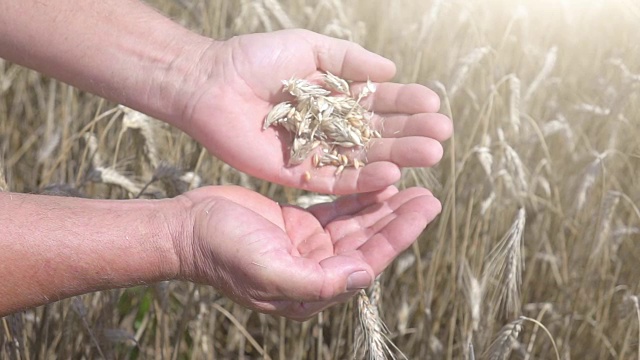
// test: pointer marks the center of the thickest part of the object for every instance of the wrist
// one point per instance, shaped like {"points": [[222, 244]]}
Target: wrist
{"points": [[166, 222], [177, 82], [179, 222]]}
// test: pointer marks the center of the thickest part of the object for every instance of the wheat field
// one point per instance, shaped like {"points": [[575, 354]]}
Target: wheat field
{"points": [[533, 257]]}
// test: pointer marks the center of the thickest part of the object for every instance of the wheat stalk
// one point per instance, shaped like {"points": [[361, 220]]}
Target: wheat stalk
{"points": [[261, 13], [603, 236], [514, 102], [547, 68], [504, 343], [146, 126], [631, 302], [94, 154], [473, 292], [589, 178], [282, 17], [502, 277], [111, 176], [375, 342], [512, 165], [3, 182], [174, 180], [467, 64], [625, 70]]}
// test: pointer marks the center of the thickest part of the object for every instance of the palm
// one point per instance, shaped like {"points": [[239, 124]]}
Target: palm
{"points": [[229, 113], [286, 260]]}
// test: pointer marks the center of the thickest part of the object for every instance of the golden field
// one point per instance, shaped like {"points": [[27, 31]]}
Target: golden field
{"points": [[535, 254]]}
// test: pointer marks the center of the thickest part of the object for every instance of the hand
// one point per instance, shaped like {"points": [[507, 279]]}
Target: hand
{"points": [[292, 262], [243, 82]]}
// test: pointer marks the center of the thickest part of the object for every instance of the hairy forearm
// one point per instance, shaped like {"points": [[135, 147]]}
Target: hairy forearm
{"points": [[122, 50], [55, 247]]}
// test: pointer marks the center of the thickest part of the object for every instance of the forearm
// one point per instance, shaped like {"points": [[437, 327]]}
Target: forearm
{"points": [[55, 247], [122, 50]]}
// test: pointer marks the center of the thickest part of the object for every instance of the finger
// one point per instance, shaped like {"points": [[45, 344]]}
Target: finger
{"points": [[401, 229], [432, 125], [304, 280], [370, 220], [299, 310], [350, 204], [400, 98], [412, 151], [349, 60], [372, 177]]}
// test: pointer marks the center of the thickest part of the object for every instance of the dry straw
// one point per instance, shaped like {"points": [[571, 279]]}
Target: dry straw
{"points": [[146, 126], [329, 118], [112, 176], [94, 154]]}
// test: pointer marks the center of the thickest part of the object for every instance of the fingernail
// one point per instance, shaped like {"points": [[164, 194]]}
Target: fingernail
{"points": [[358, 280]]}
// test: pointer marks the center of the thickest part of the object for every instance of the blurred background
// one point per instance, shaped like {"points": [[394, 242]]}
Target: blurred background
{"points": [[535, 255]]}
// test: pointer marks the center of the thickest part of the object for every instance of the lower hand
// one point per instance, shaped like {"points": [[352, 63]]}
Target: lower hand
{"points": [[287, 261]]}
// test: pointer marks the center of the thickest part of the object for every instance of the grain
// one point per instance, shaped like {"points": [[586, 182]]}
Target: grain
{"points": [[330, 119]]}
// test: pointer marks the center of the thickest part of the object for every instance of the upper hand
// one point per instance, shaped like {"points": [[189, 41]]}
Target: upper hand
{"points": [[242, 83], [284, 260]]}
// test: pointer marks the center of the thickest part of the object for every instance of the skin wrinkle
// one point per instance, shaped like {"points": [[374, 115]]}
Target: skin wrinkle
{"points": [[321, 51], [390, 244], [190, 105], [236, 69], [347, 225], [433, 125]]}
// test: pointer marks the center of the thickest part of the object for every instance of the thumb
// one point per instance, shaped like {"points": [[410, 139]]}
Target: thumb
{"points": [[332, 277], [349, 60]]}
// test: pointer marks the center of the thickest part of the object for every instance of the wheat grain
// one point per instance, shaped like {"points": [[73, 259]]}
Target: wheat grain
{"points": [[305, 201], [336, 123]]}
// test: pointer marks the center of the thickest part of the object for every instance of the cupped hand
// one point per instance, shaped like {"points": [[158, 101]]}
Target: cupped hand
{"points": [[288, 261], [242, 82]]}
